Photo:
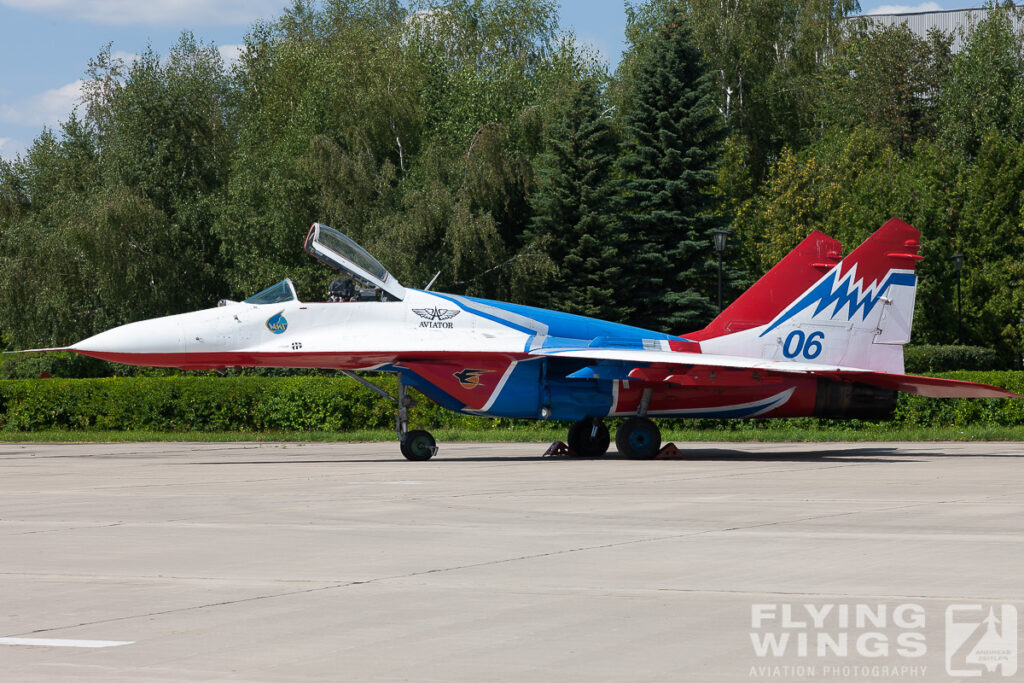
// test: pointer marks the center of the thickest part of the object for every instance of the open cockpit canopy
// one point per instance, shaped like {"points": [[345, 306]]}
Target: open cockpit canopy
{"points": [[329, 246]]}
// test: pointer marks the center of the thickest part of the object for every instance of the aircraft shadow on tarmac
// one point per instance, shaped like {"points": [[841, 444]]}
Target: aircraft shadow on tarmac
{"points": [[851, 455]]}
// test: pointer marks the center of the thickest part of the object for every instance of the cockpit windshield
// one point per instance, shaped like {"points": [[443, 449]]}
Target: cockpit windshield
{"points": [[281, 292]]}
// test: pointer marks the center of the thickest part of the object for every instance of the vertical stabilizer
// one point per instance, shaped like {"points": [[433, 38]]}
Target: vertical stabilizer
{"points": [[787, 279], [858, 314]]}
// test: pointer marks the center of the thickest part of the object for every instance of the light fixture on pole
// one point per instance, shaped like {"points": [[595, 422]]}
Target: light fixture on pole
{"points": [[958, 264], [720, 237]]}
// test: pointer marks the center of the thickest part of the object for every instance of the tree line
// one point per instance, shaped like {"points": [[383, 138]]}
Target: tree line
{"points": [[478, 139]]}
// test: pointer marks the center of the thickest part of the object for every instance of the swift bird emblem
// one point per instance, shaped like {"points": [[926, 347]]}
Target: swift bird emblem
{"points": [[469, 378]]}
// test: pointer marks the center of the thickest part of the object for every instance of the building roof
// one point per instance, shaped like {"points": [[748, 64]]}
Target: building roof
{"points": [[957, 22]]}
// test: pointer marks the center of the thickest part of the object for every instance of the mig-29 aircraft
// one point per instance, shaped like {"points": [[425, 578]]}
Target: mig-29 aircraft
{"points": [[816, 336]]}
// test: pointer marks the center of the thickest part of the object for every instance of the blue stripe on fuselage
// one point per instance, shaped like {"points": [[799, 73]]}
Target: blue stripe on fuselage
{"points": [[558, 324]]}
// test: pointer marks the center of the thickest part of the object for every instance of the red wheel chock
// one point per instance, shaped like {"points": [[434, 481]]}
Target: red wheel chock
{"points": [[670, 452], [559, 448]]}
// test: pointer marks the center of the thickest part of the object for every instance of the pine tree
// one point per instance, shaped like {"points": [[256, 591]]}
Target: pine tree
{"points": [[572, 217], [672, 137]]}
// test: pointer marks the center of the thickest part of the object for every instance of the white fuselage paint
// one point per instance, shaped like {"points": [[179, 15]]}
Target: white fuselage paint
{"points": [[314, 328]]}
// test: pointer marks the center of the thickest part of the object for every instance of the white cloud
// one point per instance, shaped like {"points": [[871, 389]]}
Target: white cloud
{"points": [[128, 58], [10, 148], [150, 12], [230, 53], [45, 109], [591, 43], [906, 9]]}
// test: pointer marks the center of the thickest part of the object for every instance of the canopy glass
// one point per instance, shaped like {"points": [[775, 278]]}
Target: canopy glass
{"points": [[329, 246]]}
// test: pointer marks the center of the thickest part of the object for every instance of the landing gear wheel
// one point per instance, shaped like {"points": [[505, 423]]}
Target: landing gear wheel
{"points": [[589, 438], [638, 438], [418, 445]]}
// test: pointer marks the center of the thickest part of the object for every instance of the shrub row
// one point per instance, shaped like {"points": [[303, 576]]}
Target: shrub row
{"points": [[928, 359], [69, 365], [981, 412], [337, 404]]}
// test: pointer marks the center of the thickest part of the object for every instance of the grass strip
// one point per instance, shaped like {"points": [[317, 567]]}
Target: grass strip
{"points": [[680, 436]]}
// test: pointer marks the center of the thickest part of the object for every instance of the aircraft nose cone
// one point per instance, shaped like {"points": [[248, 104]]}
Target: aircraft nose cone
{"points": [[137, 343]]}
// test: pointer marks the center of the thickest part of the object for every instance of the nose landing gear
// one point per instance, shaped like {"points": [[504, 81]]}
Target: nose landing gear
{"points": [[417, 444]]}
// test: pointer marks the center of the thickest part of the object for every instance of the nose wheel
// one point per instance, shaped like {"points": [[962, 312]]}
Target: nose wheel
{"points": [[638, 438], [418, 444], [589, 438]]}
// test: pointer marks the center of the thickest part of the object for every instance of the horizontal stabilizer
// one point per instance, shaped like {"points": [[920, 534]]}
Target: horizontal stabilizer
{"points": [[932, 387]]}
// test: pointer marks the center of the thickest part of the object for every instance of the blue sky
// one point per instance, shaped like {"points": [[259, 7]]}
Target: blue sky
{"points": [[45, 45]]}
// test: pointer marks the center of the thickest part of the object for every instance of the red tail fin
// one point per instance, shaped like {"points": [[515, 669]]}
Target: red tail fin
{"points": [[790, 278]]}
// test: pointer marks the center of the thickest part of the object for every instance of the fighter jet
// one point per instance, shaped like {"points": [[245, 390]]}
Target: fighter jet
{"points": [[816, 336]]}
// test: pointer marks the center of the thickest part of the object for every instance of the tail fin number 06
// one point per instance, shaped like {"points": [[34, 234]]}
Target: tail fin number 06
{"points": [[800, 344]]}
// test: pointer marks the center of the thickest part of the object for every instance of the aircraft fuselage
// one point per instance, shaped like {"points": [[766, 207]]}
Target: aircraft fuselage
{"points": [[469, 355]]}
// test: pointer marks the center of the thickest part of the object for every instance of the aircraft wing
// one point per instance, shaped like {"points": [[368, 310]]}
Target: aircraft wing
{"points": [[700, 369]]}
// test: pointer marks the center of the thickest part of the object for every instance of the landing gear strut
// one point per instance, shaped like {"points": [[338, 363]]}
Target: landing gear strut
{"points": [[589, 438], [416, 444]]}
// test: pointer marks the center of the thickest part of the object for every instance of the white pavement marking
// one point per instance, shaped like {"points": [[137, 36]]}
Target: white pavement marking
{"points": [[62, 642]]}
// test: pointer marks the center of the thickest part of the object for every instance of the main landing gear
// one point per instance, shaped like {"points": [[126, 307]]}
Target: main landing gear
{"points": [[589, 438], [638, 438], [415, 444]]}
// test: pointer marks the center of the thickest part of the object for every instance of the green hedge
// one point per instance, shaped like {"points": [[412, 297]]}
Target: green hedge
{"points": [[981, 412], [205, 403], [928, 359], [337, 404], [69, 365]]}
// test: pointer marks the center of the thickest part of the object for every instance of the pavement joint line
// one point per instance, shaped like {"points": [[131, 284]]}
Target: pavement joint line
{"points": [[439, 570], [348, 584], [68, 528]]}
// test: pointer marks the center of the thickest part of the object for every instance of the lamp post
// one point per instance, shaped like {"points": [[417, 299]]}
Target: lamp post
{"points": [[720, 237], [958, 264]]}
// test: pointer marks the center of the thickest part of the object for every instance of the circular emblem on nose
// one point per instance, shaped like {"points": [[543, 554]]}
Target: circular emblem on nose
{"points": [[277, 323]]}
